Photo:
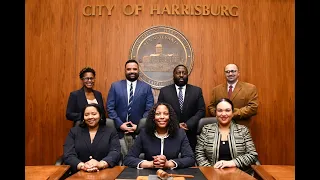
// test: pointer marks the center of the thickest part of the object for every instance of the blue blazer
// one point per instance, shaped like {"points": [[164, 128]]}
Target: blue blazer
{"points": [[151, 146], [78, 148], [117, 102], [77, 100]]}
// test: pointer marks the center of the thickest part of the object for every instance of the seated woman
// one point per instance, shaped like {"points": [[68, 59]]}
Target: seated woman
{"points": [[83, 96], [91, 145], [161, 141], [226, 144]]}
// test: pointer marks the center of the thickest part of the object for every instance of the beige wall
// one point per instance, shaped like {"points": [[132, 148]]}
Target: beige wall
{"points": [[60, 41]]}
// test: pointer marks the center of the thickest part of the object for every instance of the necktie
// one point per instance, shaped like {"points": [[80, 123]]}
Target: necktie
{"points": [[180, 98], [230, 91], [130, 102]]}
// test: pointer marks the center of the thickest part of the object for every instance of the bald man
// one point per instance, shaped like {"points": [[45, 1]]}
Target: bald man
{"points": [[243, 95]]}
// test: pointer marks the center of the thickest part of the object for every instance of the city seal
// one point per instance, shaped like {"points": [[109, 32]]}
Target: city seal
{"points": [[158, 50]]}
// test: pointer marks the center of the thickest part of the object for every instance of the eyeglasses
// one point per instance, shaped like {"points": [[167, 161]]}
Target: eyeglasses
{"points": [[88, 78], [230, 71]]}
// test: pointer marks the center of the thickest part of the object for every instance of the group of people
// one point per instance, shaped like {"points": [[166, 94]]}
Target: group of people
{"points": [[169, 138]]}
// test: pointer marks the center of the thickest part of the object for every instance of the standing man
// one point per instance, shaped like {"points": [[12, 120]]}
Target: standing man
{"points": [[187, 102], [128, 101], [243, 95]]}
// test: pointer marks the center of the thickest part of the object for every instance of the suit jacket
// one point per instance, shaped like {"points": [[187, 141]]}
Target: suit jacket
{"points": [[193, 107], [244, 98], [76, 102], [78, 148], [117, 103], [242, 149], [151, 146]]}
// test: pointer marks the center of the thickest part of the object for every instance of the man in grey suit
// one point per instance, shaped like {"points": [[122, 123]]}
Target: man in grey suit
{"points": [[127, 107], [243, 95], [192, 108]]}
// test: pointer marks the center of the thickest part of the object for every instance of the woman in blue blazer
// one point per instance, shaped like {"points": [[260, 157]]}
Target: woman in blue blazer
{"points": [[163, 143], [86, 95], [92, 145]]}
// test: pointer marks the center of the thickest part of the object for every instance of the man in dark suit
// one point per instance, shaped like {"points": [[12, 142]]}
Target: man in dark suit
{"points": [[119, 103], [192, 108], [243, 95]]}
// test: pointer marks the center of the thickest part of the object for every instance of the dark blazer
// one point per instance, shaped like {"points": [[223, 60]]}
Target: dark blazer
{"points": [[117, 103], [151, 146], [77, 100], [78, 148], [193, 107]]}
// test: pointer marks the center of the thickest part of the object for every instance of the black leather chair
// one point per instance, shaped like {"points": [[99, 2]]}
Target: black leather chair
{"points": [[141, 125], [203, 121], [109, 123]]}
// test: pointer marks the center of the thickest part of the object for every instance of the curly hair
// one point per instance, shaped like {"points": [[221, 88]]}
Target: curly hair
{"points": [[173, 124], [102, 120], [87, 69]]}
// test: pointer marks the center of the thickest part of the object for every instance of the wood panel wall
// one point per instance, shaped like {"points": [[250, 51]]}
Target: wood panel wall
{"points": [[60, 41]]}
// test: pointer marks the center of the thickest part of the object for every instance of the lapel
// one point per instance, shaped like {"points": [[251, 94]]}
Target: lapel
{"points": [[82, 97], [137, 90], [96, 96], [236, 90], [186, 97], [97, 137], [86, 137], [225, 91], [124, 92], [175, 97]]}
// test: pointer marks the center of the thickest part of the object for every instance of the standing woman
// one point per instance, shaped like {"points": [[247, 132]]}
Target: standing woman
{"points": [[226, 144], [86, 95]]}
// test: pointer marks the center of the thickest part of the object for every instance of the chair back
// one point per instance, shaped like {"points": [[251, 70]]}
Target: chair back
{"points": [[141, 124], [205, 120], [110, 123]]}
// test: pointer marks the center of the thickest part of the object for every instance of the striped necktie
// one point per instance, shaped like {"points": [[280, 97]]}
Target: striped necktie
{"points": [[130, 102], [180, 98]]}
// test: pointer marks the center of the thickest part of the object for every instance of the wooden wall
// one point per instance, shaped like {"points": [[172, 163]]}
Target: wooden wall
{"points": [[60, 41]]}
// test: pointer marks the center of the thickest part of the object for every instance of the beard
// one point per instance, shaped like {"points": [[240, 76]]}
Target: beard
{"points": [[130, 78], [180, 83]]}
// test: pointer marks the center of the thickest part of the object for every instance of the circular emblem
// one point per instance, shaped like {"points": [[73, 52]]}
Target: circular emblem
{"points": [[158, 51]]}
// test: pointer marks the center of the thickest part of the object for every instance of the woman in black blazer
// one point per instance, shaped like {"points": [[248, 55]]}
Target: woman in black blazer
{"points": [[86, 95], [163, 143], [92, 145]]}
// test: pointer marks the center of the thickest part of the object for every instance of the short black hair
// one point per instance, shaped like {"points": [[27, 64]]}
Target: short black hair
{"points": [[179, 66], [224, 99], [102, 120], [85, 70], [173, 124], [131, 61]]}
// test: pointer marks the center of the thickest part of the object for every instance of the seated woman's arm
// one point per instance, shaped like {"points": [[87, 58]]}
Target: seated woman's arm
{"points": [[114, 155], [250, 156], [69, 153], [201, 158], [187, 158], [132, 158]]}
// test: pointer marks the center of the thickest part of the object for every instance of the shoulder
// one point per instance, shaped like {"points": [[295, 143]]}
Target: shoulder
{"points": [[196, 88], [76, 91], [117, 83], [241, 128], [165, 88], [212, 127], [96, 92], [142, 83], [76, 129], [247, 85], [220, 86]]}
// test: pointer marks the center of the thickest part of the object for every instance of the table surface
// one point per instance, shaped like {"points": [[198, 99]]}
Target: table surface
{"points": [[46, 172], [209, 173], [275, 172]]}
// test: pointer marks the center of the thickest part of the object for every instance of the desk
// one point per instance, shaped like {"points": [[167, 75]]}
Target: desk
{"points": [[209, 173], [274, 172], [47, 172]]}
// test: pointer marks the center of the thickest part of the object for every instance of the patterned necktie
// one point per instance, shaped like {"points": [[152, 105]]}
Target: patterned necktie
{"points": [[130, 102], [180, 98], [230, 92]]}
